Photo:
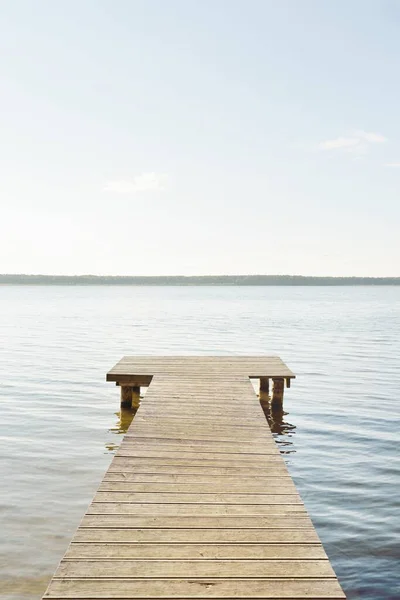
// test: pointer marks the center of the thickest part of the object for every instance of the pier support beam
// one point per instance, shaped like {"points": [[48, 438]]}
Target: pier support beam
{"points": [[126, 396], [264, 385], [264, 389], [277, 395], [130, 396], [135, 396]]}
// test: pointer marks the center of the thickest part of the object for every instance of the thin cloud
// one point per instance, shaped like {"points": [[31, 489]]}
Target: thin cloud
{"points": [[395, 165], [146, 182], [373, 138], [340, 142], [358, 143]]}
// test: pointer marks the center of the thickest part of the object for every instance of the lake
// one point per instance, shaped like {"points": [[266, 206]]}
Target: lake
{"points": [[59, 421]]}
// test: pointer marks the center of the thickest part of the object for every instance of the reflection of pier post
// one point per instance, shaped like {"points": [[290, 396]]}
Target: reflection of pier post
{"points": [[135, 396], [277, 394], [264, 390], [277, 391], [125, 418], [278, 424]]}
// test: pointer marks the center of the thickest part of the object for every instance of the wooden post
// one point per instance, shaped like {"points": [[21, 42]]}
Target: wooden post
{"points": [[126, 396], [135, 396], [277, 395], [264, 389]]}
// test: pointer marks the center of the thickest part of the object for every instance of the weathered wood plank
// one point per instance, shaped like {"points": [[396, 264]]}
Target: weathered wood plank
{"points": [[204, 457], [197, 436], [197, 551], [277, 589], [218, 568], [241, 433], [130, 465], [181, 509], [197, 498], [280, 487], [267, 535], [173, 423], [177, 445], [139, 463], [234, 420], [278, 517], [258, 482]]}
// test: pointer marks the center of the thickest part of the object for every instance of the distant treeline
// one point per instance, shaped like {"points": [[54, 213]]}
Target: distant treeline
{"points": [[193, 280]]}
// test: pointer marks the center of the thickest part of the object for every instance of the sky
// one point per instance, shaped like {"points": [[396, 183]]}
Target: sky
{"points": [[194, 137]]}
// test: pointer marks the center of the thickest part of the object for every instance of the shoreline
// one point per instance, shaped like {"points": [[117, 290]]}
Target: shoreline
{"points": [[196, 281]]}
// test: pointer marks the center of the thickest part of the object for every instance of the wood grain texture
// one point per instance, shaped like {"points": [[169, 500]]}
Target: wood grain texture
{"points": [[179, 569], [220, 535], [197, 502], [271, 589], [278, 487], [197, 551], [278, 517]]}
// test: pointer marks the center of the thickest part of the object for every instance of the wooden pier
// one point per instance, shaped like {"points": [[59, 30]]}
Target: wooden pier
{"points": [[197, 503]]}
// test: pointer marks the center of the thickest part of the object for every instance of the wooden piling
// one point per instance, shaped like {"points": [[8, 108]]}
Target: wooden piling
{"points": [[135, 396], [264, 385], [126, 396], [277, 393]]}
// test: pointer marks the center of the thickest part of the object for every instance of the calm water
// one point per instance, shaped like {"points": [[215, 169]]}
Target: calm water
{"points": [[59, 420]]}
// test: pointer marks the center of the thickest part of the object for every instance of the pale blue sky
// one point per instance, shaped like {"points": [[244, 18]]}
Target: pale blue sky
{"points": [[200, 137]]}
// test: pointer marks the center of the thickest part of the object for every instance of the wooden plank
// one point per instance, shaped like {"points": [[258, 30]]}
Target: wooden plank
{"points": [[279, 487], [200, 445], [139, 462], [216, 568], [181, 509], [208, 460], [258, 482], [196, 424], [220, 405], [196, 498], [219, 535], [198, 436], [276, 589], [240, 448], [197, 421], [278, 517], [178, 445], [195, 551], [129, 464], [222, 435], [254, 367], [204, 457]]}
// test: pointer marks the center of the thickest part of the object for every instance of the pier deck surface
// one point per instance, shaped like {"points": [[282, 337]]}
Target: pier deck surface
{"points": [[197, 502]]}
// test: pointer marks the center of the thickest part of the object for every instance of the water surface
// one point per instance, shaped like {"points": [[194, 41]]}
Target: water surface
{"points": [[59, 422]]}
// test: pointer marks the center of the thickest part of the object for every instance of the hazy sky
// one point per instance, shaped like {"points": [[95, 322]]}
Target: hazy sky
{"points": [[200, 137]]}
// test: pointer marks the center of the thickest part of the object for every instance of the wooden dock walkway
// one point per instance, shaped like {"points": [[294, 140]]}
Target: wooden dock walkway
{"points": [[197, 503]]}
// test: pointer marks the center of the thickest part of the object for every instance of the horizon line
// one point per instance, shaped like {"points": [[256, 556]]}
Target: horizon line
{"points": [[237, 275]]}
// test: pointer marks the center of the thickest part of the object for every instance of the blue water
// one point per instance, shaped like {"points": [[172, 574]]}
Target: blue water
{"points": [[59, 420]]}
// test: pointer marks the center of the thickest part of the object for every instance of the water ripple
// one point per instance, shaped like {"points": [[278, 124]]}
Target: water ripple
{"points": [[339, 432]]}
